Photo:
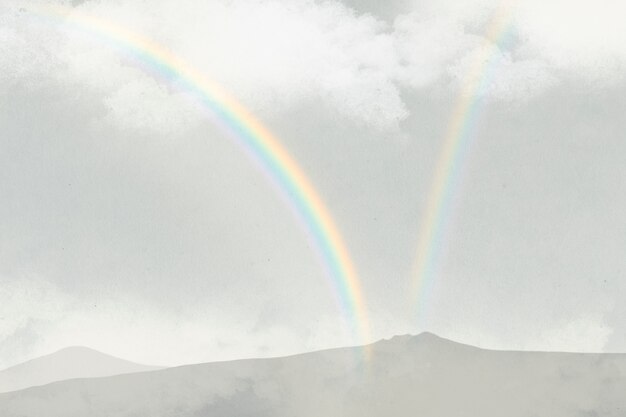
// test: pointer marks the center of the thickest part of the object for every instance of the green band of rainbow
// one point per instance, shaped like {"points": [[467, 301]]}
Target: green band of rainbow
{"points": [[256, 140], [456, 142]]}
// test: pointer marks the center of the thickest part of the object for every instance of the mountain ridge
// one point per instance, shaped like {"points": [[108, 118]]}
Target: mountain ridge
{"points": [[405, 376]]}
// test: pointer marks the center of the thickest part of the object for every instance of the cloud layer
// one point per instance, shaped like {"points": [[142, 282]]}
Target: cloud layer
{"points": [[274, 55]]}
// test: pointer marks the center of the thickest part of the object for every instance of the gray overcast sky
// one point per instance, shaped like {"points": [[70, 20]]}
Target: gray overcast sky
{"points": [[131, 224]]}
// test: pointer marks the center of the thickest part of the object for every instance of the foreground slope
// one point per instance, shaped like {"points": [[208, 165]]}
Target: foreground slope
{"points": [[72, 362], [405, 376]]}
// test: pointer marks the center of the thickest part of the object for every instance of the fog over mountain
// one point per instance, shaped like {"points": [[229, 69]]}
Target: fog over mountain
{"points": [[71, 362], [421, 375]]}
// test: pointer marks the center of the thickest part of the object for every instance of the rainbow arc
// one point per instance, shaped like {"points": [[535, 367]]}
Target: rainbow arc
{"points": [[255, 139]]}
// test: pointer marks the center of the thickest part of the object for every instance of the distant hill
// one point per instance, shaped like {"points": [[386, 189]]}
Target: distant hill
{"points": [[406, 376], [68, 363]]}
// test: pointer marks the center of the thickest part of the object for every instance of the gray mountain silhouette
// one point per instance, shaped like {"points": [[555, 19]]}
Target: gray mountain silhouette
{"points": [[71, 362], [421, 375]]}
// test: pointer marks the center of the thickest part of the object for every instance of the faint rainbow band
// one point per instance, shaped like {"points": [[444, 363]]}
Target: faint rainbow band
{"points": [[460, 132]]}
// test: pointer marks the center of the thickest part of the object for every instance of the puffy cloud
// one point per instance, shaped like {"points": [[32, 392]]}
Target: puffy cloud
{"points": [[275, 55], [498, 76], [422, 64], [23, 57], [143, 104], [272, 55], [463, 59], [578, 38]]}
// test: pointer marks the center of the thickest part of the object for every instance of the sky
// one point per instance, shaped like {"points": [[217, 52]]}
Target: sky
{"points": [[132, 223]]}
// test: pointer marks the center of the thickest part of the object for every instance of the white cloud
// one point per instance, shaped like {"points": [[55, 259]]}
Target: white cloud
{"points": [[427, 45], [498, 76], [580, 38], [23, 58], [275, 55], [270, 54], [440, 49], [147, 106]]}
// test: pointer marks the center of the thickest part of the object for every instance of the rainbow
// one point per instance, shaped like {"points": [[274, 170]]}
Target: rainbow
{"points": [[459, 135], [256, 140]]}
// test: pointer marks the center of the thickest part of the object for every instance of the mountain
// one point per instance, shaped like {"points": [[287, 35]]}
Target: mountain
{"points": [[421, 375], [68, 363]]}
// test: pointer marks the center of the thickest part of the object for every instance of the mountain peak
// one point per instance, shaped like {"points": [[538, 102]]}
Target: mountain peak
{"points": [[429, 335], [67, 363], [424, 336], [78, 349], [81, 352]]}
